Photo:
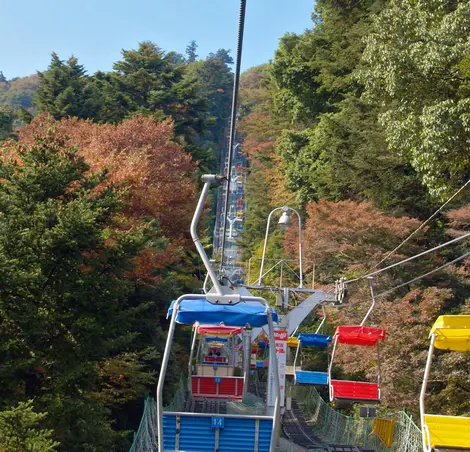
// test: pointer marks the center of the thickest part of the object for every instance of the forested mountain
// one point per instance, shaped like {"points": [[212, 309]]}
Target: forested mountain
{"points": [[16, 102], [361, 124], [18, 92]]}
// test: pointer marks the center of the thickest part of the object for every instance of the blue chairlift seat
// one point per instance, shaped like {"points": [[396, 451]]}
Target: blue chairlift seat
{"points": [[314, 340], [305, 377]]}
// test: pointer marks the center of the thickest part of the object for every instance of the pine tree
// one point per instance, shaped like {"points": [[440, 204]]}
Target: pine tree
{"points": [[191, 55], [7, 118], [19, 430], [64, 91], [64, 288]]}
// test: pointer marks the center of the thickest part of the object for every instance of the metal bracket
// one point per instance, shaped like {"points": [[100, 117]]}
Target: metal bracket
{"points": [[227, 297], [341, 291]]}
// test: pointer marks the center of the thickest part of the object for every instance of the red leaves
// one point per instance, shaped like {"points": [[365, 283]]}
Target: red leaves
{"points": [[139, 155], [156, 175]]}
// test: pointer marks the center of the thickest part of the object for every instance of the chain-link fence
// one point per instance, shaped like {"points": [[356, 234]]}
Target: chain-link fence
{"points": [[145, 439]]}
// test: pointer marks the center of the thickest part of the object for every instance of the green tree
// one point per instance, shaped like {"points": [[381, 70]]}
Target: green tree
{"points": [[191, 49], [7, 118], [150, 81], [65, 311], [64, 90], [19, 92], [215, 86], [20, 430], [417, 71]]}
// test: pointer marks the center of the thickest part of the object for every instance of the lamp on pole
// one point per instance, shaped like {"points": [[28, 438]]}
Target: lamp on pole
{"points": [[284, 222]]}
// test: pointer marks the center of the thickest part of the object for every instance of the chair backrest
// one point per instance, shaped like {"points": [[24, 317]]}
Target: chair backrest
{"points": [[447, 431], [354, 390], [217, 387], [314, 340], [304, 377]]}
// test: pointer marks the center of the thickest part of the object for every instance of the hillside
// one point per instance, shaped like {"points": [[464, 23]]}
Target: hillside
{"points": [[335, 127], [361, 123], [18, 92]]}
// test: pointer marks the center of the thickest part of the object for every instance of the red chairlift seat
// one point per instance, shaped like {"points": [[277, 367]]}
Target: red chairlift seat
{"points": [[360, 335], [219, 329], [215, 359], [217, 387], [356, 391]]}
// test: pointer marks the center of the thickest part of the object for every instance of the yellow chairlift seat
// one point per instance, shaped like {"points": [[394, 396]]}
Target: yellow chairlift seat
{"points": [[384, 429], [293, 342], [447, 431], [449, 332], [452, 333]]}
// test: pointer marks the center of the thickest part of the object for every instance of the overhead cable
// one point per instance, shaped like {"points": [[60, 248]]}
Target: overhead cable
{"points": [[236, 84], [423, 276], [442, 245], [391, 253]]}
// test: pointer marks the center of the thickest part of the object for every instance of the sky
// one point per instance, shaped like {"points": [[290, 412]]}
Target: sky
{"points": [[96, 31]]}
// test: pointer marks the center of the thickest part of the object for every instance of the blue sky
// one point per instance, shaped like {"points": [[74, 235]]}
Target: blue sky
{"points": [[96, 30]]}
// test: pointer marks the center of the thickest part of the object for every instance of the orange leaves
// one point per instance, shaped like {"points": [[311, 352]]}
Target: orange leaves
{"points": [[459, 221], [139, 155], [353, 233]]}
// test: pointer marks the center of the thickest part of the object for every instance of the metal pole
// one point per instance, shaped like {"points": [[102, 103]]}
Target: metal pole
{"points": [[161, 378], [370, 278], [296, 355], [330, 367], [273, 359], [300, 248], [246, 360], [424, 429], [313, 277], [236, 83], [280, 278], [264, 246], [323, 321], [379, 377], [193, 344], [208, 180], [206, 280]]}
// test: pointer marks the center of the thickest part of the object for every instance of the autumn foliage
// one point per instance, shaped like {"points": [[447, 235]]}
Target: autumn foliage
{"points": [[155, 175], [351, 238], [138, 154]]}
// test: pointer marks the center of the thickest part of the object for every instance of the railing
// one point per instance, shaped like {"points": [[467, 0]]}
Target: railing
{"points": [[328, 424]]}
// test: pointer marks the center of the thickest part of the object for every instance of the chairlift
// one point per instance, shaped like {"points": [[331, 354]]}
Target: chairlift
{"points": [[449, 332], [357, 391], [307, 377]]}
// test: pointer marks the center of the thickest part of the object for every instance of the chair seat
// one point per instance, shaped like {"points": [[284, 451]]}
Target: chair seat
{"points": [[355, 391], [314, 340], [448, 431], [303, 377]]}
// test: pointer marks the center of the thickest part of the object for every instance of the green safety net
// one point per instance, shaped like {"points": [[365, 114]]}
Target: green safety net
{"points": [[335, 428], [145, 439]]}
